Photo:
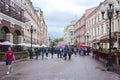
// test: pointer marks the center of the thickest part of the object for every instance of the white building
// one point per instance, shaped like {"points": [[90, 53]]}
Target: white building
{"points": [[34, 20], [98, 28], [69, 33]]}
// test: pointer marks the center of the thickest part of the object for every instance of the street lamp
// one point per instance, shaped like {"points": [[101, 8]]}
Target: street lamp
{"points": [[110, 13], [87, 38], [31, 31], [49, 41]]}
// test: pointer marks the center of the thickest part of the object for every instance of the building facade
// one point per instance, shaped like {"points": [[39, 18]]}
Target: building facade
{"points": [[80, 28], [44, 30], [12, 21], [34, 20], [69, 33], [16, 19], [98, 28]]}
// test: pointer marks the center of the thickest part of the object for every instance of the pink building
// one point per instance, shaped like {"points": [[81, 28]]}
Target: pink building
{"points": [[11, 21], [80, 27]]}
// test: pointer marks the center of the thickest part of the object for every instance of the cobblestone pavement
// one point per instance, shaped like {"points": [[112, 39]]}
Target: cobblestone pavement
{"points": [[79, 68]]}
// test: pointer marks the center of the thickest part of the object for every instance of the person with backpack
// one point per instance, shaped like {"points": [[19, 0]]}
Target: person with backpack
{"points": [[65, 53]]}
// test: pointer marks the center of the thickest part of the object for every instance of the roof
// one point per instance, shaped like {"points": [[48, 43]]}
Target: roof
{"points": [[89, 11]]}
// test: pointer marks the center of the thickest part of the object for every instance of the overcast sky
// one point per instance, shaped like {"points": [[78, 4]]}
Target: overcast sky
{"points": [[59, 13]]}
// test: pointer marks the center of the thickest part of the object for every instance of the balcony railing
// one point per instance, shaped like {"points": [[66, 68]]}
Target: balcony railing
{"points": [[11, 11]]}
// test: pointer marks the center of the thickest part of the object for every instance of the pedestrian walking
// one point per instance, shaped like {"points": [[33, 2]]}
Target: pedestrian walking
{"points": [[37, 53], [52, 52], [65, 53], [80, 50], [47, 51], [75, 51], [9, 59], [43, 52], [88, 50], [84, 51], [69, 53], [58, 52], [61, 51]]}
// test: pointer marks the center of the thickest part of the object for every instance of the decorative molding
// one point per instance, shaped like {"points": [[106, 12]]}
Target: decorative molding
{"points": [[12, 25], [12, 20]]}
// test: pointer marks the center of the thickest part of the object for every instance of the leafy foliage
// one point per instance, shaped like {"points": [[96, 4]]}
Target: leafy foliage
{"points": [[14, 34], [55, 41], [2, 31]]}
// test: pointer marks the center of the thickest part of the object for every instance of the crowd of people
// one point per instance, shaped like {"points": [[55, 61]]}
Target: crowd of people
{"points": [[45, 51], [61, 52]]}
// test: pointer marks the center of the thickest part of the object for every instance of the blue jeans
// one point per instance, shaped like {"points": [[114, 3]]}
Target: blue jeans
{"points": [[8, 62], [42, 56]]}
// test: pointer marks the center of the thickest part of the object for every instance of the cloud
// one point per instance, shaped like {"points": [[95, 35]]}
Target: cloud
{"points": [[59, 13], [56, 31]]}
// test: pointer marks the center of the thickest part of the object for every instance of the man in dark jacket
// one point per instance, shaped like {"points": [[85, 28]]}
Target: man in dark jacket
{"points": [[52, 52], [37, 53], [43, 52]]}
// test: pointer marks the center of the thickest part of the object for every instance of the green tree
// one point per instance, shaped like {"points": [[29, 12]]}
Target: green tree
{"points": [[14, 34], [2, 31], [55, 41]]}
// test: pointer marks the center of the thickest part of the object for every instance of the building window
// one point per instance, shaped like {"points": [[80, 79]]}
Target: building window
{"points": [[28, 30], [95, 21], [12, 3], [118, 2], [107, 28], [118, 25], [92, 21], [2, 5], [71, 33], [98, 30], [93, 31], [102, 29], [98, 18], [71, 40], [6, 7], [112, 27]]}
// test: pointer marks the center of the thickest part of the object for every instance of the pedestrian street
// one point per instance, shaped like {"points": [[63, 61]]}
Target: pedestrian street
{"points": [[78, 68]]}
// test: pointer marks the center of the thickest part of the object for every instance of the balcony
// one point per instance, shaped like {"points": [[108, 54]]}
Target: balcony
{"points": [[11, 11]]}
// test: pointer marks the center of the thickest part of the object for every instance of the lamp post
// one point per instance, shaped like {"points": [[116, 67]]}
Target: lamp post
{"points": [[87, 38], [110, 13], [49, 41], [31, 31]]}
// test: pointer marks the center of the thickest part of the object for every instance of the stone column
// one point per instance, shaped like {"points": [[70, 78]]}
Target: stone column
{"points": [[9, 37], [20, 39]]}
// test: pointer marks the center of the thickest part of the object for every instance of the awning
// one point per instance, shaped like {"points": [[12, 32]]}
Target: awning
{"points": [[7, 43], [96, 41], [106, 38]]}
